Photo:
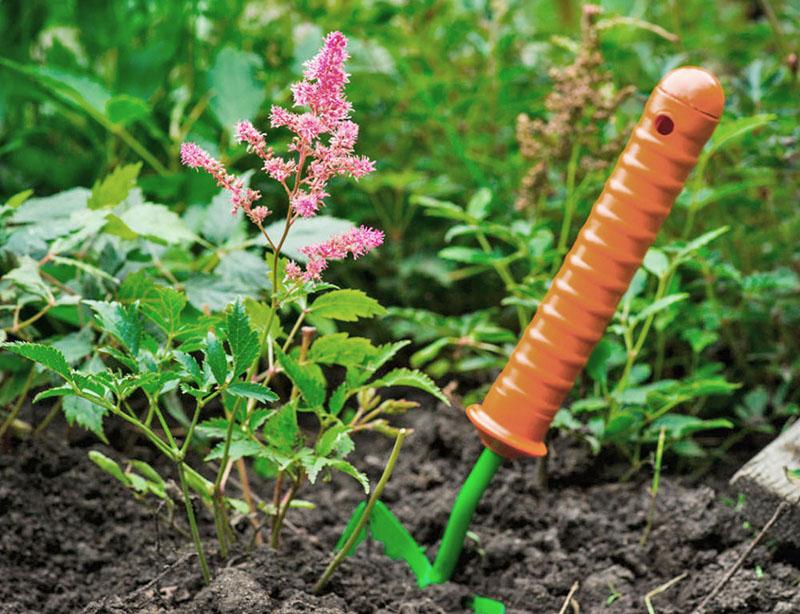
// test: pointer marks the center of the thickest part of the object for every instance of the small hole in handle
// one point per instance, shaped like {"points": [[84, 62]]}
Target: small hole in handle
{"points": [[664, 124]]}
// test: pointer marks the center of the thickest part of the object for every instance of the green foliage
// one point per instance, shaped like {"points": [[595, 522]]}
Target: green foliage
{"points": [[143, 300]]}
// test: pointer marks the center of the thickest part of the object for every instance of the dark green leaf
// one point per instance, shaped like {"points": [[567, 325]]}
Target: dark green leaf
{"points": [[311, 387], [216, 358], [45, 355], [242, 339], [121, 321], [250, 390], [413, 379]]}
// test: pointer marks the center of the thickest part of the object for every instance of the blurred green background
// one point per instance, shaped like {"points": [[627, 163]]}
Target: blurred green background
{"points": [[437, 87]]}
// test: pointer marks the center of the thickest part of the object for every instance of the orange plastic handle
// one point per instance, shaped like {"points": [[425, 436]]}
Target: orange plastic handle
{"points": [[679, 117]]}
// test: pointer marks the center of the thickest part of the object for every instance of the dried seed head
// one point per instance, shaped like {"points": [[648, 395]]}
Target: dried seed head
{"points": [[582, 102]]}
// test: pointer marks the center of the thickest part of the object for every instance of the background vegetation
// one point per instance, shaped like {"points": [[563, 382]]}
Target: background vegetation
{"points": [[477, 204]]}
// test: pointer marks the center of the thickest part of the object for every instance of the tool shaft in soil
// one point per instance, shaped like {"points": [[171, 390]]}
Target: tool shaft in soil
{"points": [[461, 515]]}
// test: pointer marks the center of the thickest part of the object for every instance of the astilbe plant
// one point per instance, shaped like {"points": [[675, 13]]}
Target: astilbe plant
{"points": [[152, 339]]}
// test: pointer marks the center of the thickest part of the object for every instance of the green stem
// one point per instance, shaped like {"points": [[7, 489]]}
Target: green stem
{"points": [[569, 205], [464, 508], [634, 349], [193, 524], [23, 394], [501, 268], [374, 497]]}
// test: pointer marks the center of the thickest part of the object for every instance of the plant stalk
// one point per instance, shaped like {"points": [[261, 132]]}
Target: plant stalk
{"points": [[193, 524], [376, 494]]}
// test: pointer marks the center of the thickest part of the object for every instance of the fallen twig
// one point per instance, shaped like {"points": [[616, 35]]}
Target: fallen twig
{"points": [[568, 600], [660, 589], [721, 584]]}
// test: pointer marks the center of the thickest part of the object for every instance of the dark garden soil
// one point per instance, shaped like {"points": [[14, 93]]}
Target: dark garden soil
{"points": [[73, 540]]}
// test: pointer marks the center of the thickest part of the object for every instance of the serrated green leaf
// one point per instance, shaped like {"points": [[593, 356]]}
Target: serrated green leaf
{"points": [[344, 467], [260, 318], [413, 379], [281, 430], [45, 355], [114, 188], [189, 364], [341, 349], [311, 387], [338, 398], [346, 305], [121, 321], [26, 276], [239, 448], [242, 339], [59, 391], [251, 390], [86, 414], [216, 358]]}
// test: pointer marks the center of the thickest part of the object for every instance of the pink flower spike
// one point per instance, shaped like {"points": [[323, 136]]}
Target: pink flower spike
{"points": [[256, 141], [257, 215], [306, 204], [314, 269], [293, 270], [194, 156]]}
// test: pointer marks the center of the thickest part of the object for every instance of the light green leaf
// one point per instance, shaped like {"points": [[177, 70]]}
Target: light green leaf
{"points": [[478, 205], [341, 349], [413, 379], [17, 199], [109, 466], [346, 305], [188, 362], [659, 306], [440, 208], [45, 355], [157, 223], [236, 94], [261, 316], [114, 188], [124, 109], [730, 130], [656, 262], [470, 255], [701, 241], [26, 276], [344, 467]]}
